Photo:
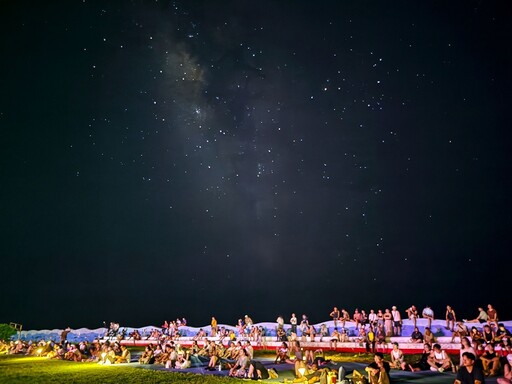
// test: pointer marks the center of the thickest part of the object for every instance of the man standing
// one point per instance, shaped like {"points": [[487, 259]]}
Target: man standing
{"points": [[469, 373], [214, 327], [64, 335], [397, 321], [293, 322]]}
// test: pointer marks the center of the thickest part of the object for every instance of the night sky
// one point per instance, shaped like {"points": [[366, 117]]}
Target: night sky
{"points": [[222, 158]]}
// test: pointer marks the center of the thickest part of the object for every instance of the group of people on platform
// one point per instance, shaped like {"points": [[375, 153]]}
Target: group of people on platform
{"points": [[485, 349]]}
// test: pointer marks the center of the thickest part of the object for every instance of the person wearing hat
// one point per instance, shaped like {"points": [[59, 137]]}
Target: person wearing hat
{"points": [[397, 321]]}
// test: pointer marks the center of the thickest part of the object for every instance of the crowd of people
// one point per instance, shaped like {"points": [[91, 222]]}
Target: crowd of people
{"points": [[485, 348]]}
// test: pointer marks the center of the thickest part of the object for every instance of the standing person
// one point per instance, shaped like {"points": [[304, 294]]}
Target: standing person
{"points": [[388, 322], [64, 335], [214, 327], [371, 340], [451, 318], [335, 315], [293, 323], [397, 321], [469, 373]]}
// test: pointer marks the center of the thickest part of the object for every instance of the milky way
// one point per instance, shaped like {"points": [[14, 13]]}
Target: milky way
{"points": [[201, 158]]}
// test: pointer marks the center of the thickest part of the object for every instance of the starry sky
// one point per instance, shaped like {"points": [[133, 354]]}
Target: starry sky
{"points": [[220, 158]]}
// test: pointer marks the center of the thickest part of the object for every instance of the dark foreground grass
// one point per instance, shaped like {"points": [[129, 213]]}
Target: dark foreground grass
{"points": [[21, 369]]}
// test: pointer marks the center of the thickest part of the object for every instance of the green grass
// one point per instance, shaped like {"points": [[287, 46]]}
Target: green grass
{"points": [[24, 369], [21, 369]]}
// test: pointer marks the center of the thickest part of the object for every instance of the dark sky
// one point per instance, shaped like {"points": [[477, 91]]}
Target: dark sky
{"points": [[197, 158]]}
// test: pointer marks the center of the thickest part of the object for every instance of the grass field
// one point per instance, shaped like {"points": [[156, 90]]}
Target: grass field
{"points": [[21, 369], [27, 369]]}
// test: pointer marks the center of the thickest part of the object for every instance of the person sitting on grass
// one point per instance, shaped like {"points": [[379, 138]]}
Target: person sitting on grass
{"points": [[147, 356], [173, 357], [73, 353], [125, 356], [313, 374], [183, 361], [282, 353], [257, 371], [163, 356], [241, 366], [213, 355], [298, 360], [397, 358], [439, 360], [469, 373], [108, 356], [422, 363], [378, 371]]}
